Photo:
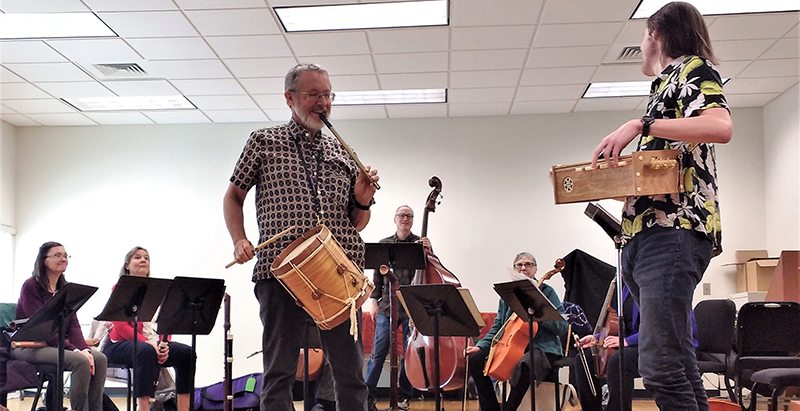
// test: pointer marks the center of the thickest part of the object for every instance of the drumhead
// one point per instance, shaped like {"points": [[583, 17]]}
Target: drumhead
{"points": [[300, 249]]}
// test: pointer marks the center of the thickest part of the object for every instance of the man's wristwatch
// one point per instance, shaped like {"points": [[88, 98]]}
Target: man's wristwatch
{"points": [[646, 122]]}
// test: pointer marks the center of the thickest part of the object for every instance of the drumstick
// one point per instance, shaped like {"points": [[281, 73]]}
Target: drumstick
{"points": [[266, 243]]}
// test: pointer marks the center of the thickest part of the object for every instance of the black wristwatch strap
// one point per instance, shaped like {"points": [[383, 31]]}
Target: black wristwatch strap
{"points": [[646, 122]]}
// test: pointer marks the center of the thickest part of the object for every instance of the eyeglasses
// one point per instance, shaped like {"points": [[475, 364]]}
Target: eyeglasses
{"points": [[60, 256], [402, 216], [314, 95], [524, 265]]}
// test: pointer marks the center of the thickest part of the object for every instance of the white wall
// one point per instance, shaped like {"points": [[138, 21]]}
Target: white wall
{"points": [[782, 171], [7, 229], [102, 190]]}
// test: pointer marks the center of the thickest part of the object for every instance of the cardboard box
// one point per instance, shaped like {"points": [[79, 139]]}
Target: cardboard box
{"points": [[753, 270], [742, 257]]}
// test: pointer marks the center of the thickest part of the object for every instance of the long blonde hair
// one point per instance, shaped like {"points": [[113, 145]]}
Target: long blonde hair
{"points": [[124, 270]]}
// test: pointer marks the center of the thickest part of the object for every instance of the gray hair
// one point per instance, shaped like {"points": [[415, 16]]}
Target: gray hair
{"points": [[290, 83], [406, 206], [525, 254]]}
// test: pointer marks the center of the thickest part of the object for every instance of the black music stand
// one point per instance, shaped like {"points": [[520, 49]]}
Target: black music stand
{"points": [[441, 310], [50, 319], [528, 301], [613, 228], [400, 256], [191, 307], [134, 298]]}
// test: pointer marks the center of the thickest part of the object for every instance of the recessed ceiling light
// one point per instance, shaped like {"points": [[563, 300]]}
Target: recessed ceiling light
{"points": [[377, 97], [364, 16], [622, 89], [52, 25], [136, 103], [715, 7]]}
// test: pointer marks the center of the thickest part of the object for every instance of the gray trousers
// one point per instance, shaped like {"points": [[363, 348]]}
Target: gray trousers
{"points": [[86, 390], [284, 323]]}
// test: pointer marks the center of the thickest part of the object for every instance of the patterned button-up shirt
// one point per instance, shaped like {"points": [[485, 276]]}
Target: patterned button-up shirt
{"points": [[687, 86], [298, 182]]}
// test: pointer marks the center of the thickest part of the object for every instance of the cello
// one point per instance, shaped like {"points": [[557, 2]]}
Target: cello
{"points": [[419, 357], [506, 352]]}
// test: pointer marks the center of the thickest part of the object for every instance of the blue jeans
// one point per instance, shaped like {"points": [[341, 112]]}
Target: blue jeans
{"points": [[380, 349], [662, 267]]}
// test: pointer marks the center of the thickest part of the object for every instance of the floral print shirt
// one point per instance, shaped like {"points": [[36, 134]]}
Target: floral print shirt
{"points": [[687, 86]]}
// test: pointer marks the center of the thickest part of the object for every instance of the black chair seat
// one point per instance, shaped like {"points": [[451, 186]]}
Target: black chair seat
{"points": [[712, 367], [784, 377]]}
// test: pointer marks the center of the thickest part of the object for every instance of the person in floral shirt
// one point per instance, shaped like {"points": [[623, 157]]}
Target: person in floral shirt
{"points": [[670, 239]]}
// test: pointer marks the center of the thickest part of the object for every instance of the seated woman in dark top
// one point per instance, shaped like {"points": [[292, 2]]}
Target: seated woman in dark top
{"points": [[88, 365]]}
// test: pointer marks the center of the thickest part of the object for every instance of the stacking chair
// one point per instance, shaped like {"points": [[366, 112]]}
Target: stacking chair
{"points": [[768, 337], [716, 329]]}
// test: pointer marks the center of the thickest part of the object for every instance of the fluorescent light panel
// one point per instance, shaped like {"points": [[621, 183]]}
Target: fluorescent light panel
{"points": [[364, 16], [378, 97], [715, 7], [622, 89], [135, 103], [52, 25]]}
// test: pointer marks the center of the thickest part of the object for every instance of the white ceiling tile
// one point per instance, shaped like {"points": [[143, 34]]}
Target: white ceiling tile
{"points": [[191, 69], [619, 72], [484, 78], [263, 85], [542, 107], [785, 48], [13, 91], [750, 100], [608, 104], [236, 116], [149, 24], [233, 22], [570, 35], [42, 6], [759, 85], [216, 4], [772, 68], [480, 95], [96, 50], [566, 57], [276, 67], [478, 109], [6, 110], [208, 87], [632, 33], [177, 117], [6, 76], [66, 119], [751, 26], [416, 110], [328, 43], [355, 83], [18, 120], [492, 37], [540, 93], [343, 65], [142, 88], [488, 59], [407, 81], [138, 5], [250, 46], [409, 40], [31, 51], [357, 112], [178, 48], [411, 62], [732, 68], [49, 72], [38, 106], [794, 32], [554, 76], [243, 102], [271, 102], [119, 118], [81, 89], [281, 115], [494, 13], [740, 49], [568, 11]]}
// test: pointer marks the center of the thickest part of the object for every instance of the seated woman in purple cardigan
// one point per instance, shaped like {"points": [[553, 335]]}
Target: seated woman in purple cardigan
{"points": [[88, 365]]}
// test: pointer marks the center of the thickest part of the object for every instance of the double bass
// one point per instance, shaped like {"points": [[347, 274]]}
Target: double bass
{"points": [[419, 357], [607, 324]]}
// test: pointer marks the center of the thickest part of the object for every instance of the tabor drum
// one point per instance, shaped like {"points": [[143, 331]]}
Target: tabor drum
{"points": [[317, 272]]}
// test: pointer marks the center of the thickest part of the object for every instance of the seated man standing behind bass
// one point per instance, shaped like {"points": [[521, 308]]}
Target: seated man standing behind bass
{"points": [[546, 345]]}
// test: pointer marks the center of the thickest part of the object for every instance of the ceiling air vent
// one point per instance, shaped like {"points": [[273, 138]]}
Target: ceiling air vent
{"points": [[629, 53], [123, 70]]}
